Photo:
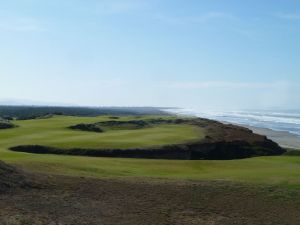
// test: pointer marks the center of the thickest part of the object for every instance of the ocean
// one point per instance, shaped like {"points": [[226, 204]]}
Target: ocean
{"points": [[284, 120]]}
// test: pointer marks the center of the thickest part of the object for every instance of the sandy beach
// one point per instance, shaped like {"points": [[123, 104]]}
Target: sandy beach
{"points": [[284, 139]]}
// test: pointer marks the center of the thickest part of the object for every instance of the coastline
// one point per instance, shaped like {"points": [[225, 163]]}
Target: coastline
{"points": [[283, 138]]}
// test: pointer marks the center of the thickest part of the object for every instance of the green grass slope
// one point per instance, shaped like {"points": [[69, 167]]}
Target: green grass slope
{"points": [[54, 132], [283, 171]]}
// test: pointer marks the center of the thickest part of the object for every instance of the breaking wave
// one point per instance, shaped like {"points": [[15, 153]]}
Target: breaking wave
{"points": [[288, 121]]}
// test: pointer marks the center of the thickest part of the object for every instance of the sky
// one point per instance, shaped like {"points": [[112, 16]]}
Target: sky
{"points": [[217, 54]]}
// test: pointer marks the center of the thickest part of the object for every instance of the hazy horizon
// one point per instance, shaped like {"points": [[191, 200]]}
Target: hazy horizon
{"points": [[183, 110], [204, 55]]}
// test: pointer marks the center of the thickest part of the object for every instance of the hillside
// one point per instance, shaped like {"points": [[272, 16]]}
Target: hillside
{"points": [[12, 178], [163, 137], [87, 201], [65, 189]]}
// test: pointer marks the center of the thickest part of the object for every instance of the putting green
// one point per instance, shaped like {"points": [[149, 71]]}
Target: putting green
{"points": [[54, 132]]}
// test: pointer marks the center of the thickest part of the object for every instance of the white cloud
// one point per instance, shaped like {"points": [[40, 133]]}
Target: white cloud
{"points": [[225, 84], [20, 25]]}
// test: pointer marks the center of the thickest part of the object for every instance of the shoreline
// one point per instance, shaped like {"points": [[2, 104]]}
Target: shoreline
{"points": [[283, 138]]}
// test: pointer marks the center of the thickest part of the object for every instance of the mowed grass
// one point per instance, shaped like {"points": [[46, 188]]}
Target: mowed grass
{"points": [[283, 171], [55, 132]]}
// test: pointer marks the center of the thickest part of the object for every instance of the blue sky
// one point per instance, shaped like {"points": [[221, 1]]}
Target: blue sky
{"points": [[218, 54]]}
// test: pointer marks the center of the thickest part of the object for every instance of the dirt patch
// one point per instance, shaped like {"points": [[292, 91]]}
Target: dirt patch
{"points": [[89, 201], [13, 178]]}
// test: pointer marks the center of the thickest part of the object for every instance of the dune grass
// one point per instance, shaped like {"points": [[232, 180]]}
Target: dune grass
{"points": [[283, 171]]}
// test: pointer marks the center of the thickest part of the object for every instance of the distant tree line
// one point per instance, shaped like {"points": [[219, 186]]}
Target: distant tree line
{"points": [[32, 112]]}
